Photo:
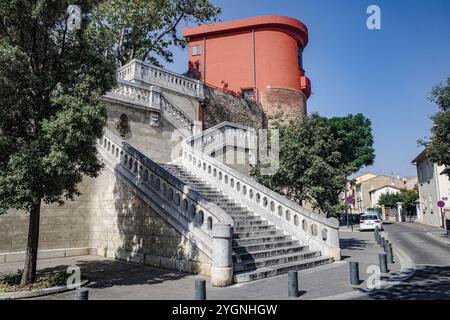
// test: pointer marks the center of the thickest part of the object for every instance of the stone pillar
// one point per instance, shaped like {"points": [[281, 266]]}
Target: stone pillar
{"points": [[197, 128], [222, 264], [418, 211], [383, 212], [155, 98], [399, 211]]}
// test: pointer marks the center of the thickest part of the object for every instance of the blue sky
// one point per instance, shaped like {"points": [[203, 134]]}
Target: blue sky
{"points": [[385, 74]]}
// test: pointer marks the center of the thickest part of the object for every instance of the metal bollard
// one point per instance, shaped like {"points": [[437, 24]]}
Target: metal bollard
{"points": [[81, 294], [380, 240], [200, 289], [385, 245], [354, 273], [383, 263], [376, 234], [389, 254], [293, 284]]}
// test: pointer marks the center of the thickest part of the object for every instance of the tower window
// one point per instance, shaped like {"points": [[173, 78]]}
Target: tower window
{"points": [[300, 56], [196, 50], [248, 94]]}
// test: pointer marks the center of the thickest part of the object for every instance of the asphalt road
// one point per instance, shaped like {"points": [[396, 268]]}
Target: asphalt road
{"points": [[432, 258]]}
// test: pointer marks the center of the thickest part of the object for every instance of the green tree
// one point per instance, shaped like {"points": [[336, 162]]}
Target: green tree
{"points": [[438, 147], [408, 199], [389, 199], [316, 156], [146, 29], [51, 83]]}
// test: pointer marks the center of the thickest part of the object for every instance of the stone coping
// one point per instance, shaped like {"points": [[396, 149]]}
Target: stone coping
{"points": [[37, 293], [6, 257]]}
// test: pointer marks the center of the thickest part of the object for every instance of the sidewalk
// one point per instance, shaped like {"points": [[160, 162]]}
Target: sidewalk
{"points": [[112, 279]]}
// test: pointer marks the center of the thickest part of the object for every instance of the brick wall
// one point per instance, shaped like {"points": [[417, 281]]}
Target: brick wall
{"points": [[291, 102], [220, 106]]}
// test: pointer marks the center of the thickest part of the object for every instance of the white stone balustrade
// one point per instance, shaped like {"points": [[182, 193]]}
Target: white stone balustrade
{"points": [[176, 115], [226, 134], [137, 70], [134, 94], [319, 232], [185, 209]]}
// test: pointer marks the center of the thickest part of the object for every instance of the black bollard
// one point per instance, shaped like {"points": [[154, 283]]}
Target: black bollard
{"points": [[383, 263], [81, 294], [376, 234], [354, 273], [293, 284], [380, 240], [389, 254], [200, 289], [385, 245]]}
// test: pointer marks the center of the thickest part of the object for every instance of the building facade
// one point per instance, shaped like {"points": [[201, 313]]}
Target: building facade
{"points": [[367, 187], [260, 58], [433, 187]]}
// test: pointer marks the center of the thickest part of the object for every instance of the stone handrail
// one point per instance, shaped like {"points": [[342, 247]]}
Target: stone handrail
{"points": [[137, 70], [319, 232], [176, 115], [131, 93], [224, 134], [184, 208]]}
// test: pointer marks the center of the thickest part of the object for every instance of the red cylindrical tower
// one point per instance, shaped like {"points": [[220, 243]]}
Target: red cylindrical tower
{"points": [[258, 57]]}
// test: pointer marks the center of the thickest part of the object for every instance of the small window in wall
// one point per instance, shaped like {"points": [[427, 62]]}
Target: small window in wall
{"points": [[300, 56], [248, 94], [196, 50]]}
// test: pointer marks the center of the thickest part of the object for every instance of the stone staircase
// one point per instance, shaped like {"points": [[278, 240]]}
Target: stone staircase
{"points": [[260, 249]]}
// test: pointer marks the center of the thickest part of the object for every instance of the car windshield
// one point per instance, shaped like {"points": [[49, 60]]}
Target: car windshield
{"points": [[369, 217]]}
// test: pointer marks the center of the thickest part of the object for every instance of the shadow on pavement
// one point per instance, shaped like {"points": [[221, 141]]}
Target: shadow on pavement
{"points": [[428, 283], [353, 244], [108, 273]]}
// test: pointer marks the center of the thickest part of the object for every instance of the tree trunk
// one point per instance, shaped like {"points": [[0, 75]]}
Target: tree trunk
{"points": [[29, 270]]}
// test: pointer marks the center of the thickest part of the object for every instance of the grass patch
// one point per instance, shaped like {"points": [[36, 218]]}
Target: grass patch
{"points": [[11, 282]]}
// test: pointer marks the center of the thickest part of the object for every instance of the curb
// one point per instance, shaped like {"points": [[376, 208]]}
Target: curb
{"points": [[38, 293], [408, 269]]}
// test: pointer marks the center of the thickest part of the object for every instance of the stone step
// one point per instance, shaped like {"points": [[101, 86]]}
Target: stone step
{"points": [[253, 228], [253, 234], [253, 247], [237, 257], [249, 223], [265, 272], [275, 260], [259, 240], [245, 218]]}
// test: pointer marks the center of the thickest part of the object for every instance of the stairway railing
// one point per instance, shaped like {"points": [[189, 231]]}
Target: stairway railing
{"points": [[319, 232], [141, 71], [199, 220], [226, 134]]}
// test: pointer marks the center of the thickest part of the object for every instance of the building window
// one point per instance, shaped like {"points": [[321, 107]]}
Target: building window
{"points": [[300, 56], [248, 94], [196, 50]]}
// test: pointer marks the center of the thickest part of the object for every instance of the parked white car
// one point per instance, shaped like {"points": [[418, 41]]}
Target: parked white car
{"points": [[369, 221]]}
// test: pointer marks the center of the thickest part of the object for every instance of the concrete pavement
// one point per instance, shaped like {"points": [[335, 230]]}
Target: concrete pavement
{"points": [[112, 279]]}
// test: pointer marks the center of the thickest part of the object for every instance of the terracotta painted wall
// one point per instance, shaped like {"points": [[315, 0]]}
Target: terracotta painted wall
{"points": [[229, 58]]}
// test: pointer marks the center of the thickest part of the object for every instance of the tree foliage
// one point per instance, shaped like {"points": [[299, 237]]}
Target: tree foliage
{"points": [[146, 29], [52, 79], [316, 156], [438, 147], [406, 197], [389, 199]]}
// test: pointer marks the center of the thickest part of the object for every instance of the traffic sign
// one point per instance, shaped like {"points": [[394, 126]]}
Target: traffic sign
{"points": [[441, 204], [349, 200]]}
